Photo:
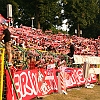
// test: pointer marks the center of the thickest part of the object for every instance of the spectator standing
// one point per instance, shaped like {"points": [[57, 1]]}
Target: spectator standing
{"points": [[7, 41], [72, 49]]}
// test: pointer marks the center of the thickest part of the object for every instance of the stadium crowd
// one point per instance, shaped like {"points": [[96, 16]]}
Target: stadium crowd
{"points": [[40, 49]]}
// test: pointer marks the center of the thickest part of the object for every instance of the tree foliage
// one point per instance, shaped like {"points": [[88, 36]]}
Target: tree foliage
{"points": [[44, 12], [81, 13]]}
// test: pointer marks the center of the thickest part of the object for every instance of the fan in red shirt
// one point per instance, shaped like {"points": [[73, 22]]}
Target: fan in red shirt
{"points": [[32, 63]]}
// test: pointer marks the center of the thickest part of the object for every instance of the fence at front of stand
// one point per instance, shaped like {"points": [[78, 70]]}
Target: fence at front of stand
{"points": [[21, 57]]}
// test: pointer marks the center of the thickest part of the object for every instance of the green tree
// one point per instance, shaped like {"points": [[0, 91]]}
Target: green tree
{"points": [[81, 13], [44, 11], [94, 29], [47, 13]]}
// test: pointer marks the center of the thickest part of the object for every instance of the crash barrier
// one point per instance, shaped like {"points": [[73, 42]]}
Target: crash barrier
{"points": [[25, 53], [78, 59], [39, 82]]}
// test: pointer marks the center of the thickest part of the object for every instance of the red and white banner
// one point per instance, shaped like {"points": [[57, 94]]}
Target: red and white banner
{"points": [[47, 81], [32, 83], [39, 82], [73, 77]]}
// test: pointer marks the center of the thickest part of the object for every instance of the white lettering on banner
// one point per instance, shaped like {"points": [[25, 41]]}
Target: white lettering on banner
{"points": [[73, 80], [69, 79], [22, 81], [74, 77], [91, 77], [45, 88], [50, 82], [17, 84], [34, 82], [49, 77], [79, 75], [40, 76], [68, 82]]}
